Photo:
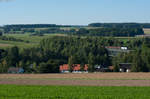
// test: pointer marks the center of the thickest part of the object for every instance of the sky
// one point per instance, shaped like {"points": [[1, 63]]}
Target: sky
{"points": [[73, 12]]}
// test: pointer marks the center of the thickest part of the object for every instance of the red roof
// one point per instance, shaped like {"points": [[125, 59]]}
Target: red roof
{"points": [[64, 67], [76, 67]]}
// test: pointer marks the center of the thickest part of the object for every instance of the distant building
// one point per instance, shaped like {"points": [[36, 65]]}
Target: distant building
{"points": [[125, 67], [114, 50], [15, 70], [111, 68], [100, 68], [76, 68], [64, 68]]}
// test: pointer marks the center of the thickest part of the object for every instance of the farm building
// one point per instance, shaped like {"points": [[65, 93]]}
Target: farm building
{"points": [[125, 67], [114, 50], [76, 68], [15, 70], [100, 68]]}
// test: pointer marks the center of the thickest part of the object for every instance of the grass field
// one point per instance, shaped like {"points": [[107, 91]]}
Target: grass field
{"points": [[72, 92], [33, 40]]}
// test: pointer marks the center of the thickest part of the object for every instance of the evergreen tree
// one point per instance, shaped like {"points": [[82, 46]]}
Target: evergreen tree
{"points": [[70, 63], [13, 56], [91, 62]]}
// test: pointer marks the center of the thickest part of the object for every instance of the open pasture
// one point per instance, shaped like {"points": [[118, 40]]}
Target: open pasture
{"points": [[72, 92], [33, 40]]}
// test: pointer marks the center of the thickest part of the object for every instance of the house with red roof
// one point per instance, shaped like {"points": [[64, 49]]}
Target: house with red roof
{"points": [[76, 68], [64, 68]]}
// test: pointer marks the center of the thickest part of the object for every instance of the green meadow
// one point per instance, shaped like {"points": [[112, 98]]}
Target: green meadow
{"points": [[72, 92], [33, 40]]}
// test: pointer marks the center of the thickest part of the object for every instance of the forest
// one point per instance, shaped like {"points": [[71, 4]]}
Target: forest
{"points": [[111, 32], [120, 25], [55, 51]]}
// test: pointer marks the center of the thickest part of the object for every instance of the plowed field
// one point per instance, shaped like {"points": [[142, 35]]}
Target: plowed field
{"points": [[90, 79]]}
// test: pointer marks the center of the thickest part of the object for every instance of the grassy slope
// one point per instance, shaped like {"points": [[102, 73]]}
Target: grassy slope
{"points": [[34, 40], [72, 92]]}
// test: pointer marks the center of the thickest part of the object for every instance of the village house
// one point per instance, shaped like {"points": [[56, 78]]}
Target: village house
{"points": [[76, 68], [15, 70], [64, 68], [100, 68]]}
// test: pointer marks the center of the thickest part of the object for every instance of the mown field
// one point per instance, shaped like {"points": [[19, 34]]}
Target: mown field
{"points": [[72, 92]]}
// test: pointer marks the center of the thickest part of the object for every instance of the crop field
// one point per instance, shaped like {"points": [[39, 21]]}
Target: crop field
{"points": [[72, 92]]}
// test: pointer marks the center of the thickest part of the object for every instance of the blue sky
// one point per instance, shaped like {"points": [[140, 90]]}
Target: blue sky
{"points": [[75, 12]]}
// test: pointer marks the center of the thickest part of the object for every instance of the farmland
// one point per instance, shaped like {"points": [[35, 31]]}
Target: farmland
{"points": [[69, 86], [91, 79], [33, 40], [72, 92], [75, 86]]}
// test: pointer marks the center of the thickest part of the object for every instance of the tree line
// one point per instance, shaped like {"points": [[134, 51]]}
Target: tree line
{"points": [[5, 38], [114, 32], [25, 26], [105, 29], [120, 25], [55, 51]]}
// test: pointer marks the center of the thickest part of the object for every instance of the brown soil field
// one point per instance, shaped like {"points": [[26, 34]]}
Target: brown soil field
{"points": [[89, 79]]}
